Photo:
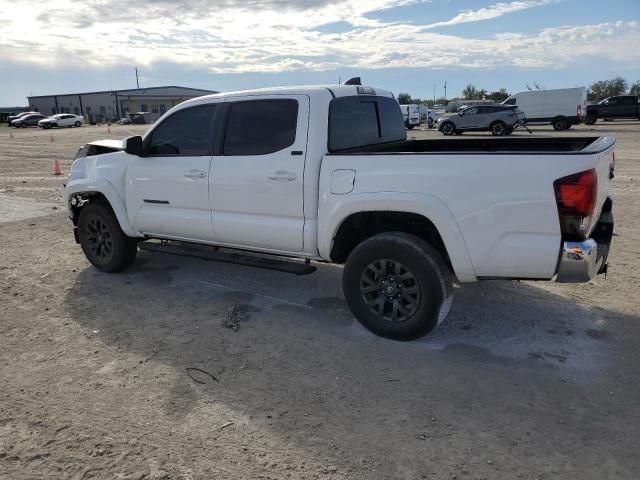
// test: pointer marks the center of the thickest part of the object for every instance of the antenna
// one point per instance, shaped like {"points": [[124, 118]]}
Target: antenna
{"points": [[445, 89], [137, 81]]}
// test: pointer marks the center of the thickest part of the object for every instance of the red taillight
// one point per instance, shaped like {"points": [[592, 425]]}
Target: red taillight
{"points": [[576, 199]]}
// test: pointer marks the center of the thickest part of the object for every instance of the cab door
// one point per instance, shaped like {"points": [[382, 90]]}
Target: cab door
{"points": [[256, 183], [167, 190]]}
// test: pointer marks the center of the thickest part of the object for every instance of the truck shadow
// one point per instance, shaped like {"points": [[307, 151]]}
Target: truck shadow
{"points": [[512, 321], [298, 359]]}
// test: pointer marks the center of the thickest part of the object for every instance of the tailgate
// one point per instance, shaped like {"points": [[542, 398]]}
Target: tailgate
{"points": [[603, 149]]}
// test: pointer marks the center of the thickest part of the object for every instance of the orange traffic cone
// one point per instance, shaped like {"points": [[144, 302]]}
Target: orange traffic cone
{"points": [[51, 137], [56, 168]]}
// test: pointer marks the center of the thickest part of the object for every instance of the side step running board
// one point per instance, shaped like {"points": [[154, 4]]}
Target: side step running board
{"points": [[206, 252]]}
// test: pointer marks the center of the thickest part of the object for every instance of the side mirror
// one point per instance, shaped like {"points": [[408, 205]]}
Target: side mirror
{"points": [[133, 145]]}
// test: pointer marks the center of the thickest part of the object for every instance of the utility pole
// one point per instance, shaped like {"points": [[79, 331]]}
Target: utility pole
{"points": [[434, 92], [445, 89], [137, 81]]}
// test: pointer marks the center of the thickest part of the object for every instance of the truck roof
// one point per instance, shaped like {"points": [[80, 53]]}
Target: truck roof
{"points": [[335, 90]]}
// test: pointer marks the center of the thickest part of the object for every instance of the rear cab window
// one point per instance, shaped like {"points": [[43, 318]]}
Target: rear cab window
{"points": [[360, 121]]}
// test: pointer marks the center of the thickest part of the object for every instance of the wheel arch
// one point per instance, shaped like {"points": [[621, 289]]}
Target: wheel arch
{"points": [[423, 215], [102, 192]]}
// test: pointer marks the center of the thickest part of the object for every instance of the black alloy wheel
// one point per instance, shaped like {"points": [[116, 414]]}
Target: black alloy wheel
{"points": [[390, 290]]}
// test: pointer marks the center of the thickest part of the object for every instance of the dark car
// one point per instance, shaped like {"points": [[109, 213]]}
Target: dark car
{"points": [[497, 119], [30, 120], [11, 118], [623, 106]]}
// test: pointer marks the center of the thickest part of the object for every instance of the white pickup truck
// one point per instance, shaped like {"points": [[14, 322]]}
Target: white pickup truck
{"points": [[325, 174]]}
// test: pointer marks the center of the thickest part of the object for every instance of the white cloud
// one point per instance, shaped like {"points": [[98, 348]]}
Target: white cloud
{"points": [[490, 12], [233, 36]]}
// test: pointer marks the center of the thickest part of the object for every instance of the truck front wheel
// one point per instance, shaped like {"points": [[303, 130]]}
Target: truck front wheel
{"points": [[591, 119], [397, 285], [102, 240]]}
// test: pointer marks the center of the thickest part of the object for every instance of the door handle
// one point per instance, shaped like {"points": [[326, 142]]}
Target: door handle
{"points": [[195, 173], [283, 176]]}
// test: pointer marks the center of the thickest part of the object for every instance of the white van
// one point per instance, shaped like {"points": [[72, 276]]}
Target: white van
{"points": [[411, 115], [561, 107]]}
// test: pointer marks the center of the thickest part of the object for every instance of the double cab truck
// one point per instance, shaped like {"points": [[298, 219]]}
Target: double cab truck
{"points": [[623, 106], [326, 174]]}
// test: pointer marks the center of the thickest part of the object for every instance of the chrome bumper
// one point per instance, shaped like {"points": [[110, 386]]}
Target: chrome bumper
{"points": [[579, 261]]}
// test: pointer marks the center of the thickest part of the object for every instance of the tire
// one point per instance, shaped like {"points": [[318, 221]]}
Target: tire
{"points": [[408, 309], [559, 124], [498, 128], [77, 124], [410, 127], [590, 120], [430, 122], [102, 240], [448, 128]]}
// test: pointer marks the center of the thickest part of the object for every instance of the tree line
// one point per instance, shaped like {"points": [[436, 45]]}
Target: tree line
{"points": [[597, 91]]}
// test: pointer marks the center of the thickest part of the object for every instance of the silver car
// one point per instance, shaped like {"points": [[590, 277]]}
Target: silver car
{"points": [[497, 119]]}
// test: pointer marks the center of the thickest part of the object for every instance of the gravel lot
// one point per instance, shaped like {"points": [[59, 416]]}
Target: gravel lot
{"points": [[525, 380]]}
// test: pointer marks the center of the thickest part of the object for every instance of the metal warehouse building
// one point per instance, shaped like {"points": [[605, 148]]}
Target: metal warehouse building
{"points": [[111, 105]]}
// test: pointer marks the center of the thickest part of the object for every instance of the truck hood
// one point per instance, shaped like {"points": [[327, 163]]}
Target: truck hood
{"points": [[100, 147]]}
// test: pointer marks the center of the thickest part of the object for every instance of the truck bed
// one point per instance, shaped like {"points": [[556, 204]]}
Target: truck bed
{"points": [[507, 145]]}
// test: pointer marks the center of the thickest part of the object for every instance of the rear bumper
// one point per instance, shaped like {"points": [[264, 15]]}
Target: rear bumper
{"points": [[578, 261], [581, 261]]}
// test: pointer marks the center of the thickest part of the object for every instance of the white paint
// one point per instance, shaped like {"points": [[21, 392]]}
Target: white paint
{"points": [[496, 213]]}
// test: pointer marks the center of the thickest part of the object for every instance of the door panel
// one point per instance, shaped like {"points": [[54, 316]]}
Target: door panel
{"points": [[167, 192], [256, 192]]}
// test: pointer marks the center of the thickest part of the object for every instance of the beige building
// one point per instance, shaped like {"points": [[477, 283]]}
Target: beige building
{"points": [[111, 105]]}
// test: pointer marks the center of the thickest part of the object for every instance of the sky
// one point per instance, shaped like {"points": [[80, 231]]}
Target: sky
{"points": [[414, 46]]}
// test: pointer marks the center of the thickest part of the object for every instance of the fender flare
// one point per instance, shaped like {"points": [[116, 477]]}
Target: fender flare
{"points": [[431, 207], [105, 188]]}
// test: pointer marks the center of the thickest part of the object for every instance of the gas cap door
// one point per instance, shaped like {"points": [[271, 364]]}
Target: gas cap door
{"points": [[342, 181]]}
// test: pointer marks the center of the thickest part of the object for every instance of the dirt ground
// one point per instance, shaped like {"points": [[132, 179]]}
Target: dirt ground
{"points": [[524, 380]]}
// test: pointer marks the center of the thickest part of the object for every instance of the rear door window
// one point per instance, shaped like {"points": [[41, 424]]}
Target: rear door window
{"points": [[260, 127]]}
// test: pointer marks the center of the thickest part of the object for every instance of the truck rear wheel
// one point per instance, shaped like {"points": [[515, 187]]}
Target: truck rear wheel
{"points": [[397, 286], [591, 119], [560, 123], [102, 240]]}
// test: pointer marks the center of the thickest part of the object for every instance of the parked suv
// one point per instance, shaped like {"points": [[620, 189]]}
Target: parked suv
{"points": [[498, 119]]}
